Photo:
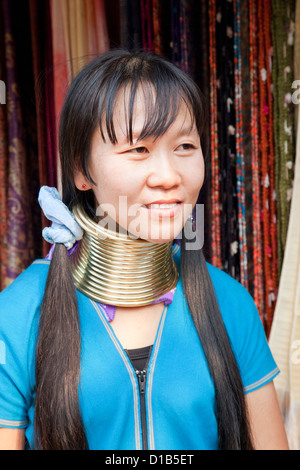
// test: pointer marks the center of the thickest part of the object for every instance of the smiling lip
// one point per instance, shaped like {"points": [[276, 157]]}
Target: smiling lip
{"points": [[162, 201], [165, 212]]}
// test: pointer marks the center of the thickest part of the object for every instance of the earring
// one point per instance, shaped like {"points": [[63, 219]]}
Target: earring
{"points": [[83, 186], [192, 222]]}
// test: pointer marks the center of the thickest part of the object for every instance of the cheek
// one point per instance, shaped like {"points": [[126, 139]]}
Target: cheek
{"points": [[195, 178], [115, 192], [108, 183]]}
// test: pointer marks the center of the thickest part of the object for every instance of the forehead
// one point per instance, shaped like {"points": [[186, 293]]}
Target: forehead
{"points": [[144, 112]]}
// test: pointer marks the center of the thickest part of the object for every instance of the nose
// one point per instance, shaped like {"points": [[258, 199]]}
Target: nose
{"points": [[163, 172]]}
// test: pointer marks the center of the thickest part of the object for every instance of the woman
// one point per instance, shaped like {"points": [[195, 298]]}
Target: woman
{"points": [[155, 348]]}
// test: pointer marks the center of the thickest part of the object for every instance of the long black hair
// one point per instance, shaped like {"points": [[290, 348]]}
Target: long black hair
{"points": [[90, 103]]}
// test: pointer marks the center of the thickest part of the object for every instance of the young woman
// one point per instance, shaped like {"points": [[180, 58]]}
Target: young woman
{"points": [[125, 338]]}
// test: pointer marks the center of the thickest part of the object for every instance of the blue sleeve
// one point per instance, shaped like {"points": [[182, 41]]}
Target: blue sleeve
{"points": [[248, 339], [19, 309]]}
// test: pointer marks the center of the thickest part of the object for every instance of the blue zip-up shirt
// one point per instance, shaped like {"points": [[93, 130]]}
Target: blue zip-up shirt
{"points": [[179, 393]]}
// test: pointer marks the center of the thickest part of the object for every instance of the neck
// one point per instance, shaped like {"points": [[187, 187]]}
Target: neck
{"points": [[112, 268]]}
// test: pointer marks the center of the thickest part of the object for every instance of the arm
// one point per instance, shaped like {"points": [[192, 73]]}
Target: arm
{"points": [[12, 439], [265, 418]]}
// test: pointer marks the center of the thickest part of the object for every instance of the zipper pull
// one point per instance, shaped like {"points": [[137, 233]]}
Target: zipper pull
{"points": [[141, 375]]}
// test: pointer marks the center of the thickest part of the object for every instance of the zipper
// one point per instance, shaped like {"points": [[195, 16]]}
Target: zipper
{"points": [[142, 376], [142, 380]]}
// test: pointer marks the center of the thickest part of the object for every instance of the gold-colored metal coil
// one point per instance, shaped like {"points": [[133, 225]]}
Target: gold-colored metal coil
{"points": [[112, 268]]}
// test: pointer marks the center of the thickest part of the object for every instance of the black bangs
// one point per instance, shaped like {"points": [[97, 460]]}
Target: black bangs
{"points": [[163, 90]]}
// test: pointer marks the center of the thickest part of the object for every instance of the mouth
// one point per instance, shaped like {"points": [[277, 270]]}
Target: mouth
{"points": [[164, 210]]}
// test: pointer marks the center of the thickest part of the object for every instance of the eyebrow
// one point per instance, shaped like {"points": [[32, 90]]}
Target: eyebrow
{"points": [[186, 130]]}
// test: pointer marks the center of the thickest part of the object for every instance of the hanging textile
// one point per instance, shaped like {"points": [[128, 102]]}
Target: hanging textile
{"points": [[3, 161], [147, 25], [267, 160], [79, 35], [130, 24], [182, 31], [3, 196], [283, 26], [157, 27], [202, 77], [19, 169], [41, 42], [202, 46], [187, 62], [175, 30], [214, 156], [240, 164], [227, 138], [3, 165], [229, 243], [256, 259], [85, 31], [285, 333], [245, 77]]}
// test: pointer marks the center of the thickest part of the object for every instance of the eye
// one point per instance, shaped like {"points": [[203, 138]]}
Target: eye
{"points": [[183, 147], [138, 150]]}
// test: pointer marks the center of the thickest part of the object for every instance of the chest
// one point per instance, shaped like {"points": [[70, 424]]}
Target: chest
{"points": [[137, 327], [178, 396]]}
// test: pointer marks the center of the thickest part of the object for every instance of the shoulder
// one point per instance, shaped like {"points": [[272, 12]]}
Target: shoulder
{"points": [[34, 277], [239, 312], [22, 298], [19, 314], [230, 292], [244, 327], [245, 330], [30, 282], [232, 296]]}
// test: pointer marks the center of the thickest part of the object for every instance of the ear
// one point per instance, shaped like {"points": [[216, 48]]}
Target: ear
{"points": [[81, 181]]}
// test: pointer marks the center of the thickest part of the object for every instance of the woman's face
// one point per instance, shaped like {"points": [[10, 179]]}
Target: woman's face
{"points": [[149, 187]]}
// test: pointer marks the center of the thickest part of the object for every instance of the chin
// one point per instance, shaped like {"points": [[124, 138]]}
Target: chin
{"points": [[159, 241], [162, 233]]}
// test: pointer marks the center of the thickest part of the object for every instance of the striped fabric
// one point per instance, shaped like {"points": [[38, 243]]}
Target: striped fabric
{"points": [[285, 333]]}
